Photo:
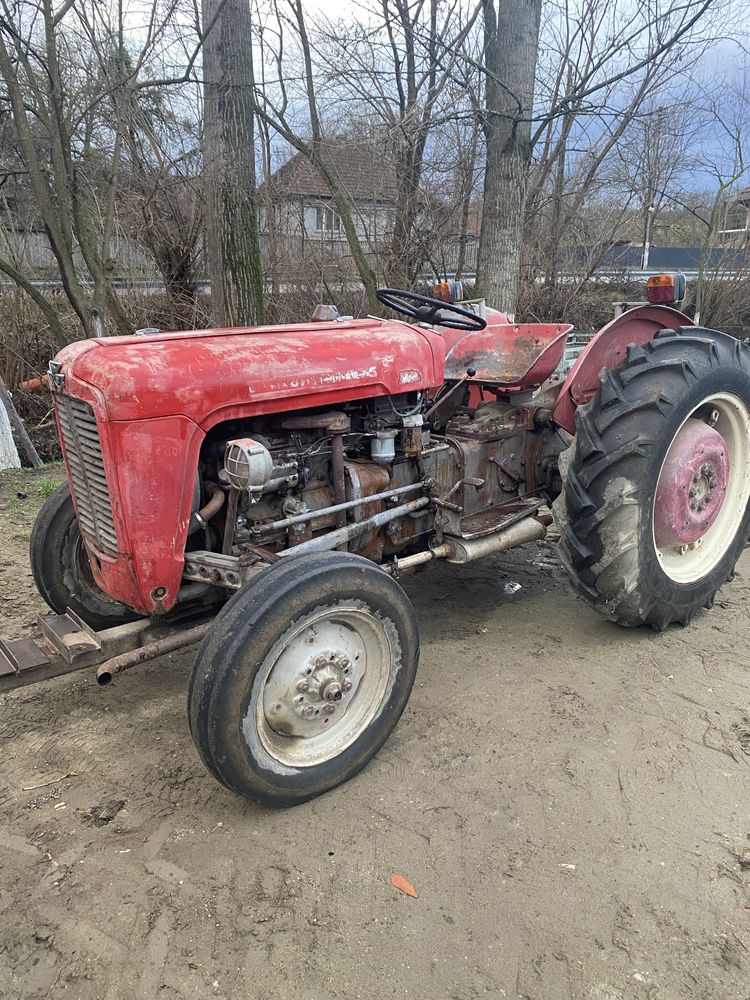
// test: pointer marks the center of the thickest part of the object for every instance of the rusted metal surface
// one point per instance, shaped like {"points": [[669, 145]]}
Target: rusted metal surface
{"points": [[487, 522], [368, 485], [18, 655], [215, 568], [214, 505], [321, 512], [36, 660], [110, 668], [334, 421], [509, 354], [337, 477], [368, 481], [230, 523], [442, 400], [405, 564], [68, 634], [152, 419], [464, 550], [333, 538], [253, 556], [607, 350]]}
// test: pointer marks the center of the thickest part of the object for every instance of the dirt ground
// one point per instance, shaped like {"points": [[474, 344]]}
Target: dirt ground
{"points": [[570, 800]]}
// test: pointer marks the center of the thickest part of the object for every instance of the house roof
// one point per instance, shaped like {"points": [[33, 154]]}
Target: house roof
{"points": [[365, 174]]}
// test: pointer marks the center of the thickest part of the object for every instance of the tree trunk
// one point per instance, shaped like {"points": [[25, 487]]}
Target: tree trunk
{"points": [[13, 421], [511, 44], [232, 243], [405, 257], [464, 191], [8, 452]]}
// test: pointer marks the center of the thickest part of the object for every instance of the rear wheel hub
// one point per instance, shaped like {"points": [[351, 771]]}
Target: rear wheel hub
{"points": [[703, 488], [692, 485]]}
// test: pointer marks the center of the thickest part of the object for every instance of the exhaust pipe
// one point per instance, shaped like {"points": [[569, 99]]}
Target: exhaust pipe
{"points": [[464, 550], [169, 644]]}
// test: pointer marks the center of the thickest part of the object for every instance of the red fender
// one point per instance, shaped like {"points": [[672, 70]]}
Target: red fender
{"points": [[606, 350], [509, 354]]}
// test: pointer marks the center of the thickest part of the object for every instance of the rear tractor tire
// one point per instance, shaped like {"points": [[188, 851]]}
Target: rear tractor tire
{"points": [[60, 566], [654, 511], [304, 674]]}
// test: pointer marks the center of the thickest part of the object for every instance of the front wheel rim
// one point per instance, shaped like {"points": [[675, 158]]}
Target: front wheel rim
{"points": [[322, 685], [687, 559]]}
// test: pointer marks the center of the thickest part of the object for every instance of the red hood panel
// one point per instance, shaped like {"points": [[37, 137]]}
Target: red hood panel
{"points": [[208, 374]]}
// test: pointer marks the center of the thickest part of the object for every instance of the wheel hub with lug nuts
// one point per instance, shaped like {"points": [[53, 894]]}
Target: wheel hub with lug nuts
{"points": [[323, 683], [319, 696], [703, 488], [692, 486]]}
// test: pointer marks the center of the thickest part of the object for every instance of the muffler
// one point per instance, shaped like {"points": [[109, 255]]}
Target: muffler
{"points": [[463, 550]]}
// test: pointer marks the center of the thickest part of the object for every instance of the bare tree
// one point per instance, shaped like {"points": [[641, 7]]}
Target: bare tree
{"points": [[46, 118], [278, 110], [399, 67], [71, 83], [511, 46], [733, 121], [232, 242], [605, 48]]}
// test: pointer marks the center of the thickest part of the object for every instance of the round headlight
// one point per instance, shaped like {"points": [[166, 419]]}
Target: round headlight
{"points": [[248, 464]]}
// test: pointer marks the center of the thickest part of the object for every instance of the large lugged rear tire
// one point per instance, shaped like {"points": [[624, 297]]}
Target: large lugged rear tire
{"points": [[60, 566], [654, 509], [302, 677]]}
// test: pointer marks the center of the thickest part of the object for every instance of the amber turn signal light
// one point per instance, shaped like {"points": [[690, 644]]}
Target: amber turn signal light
{"points": [[665, 288]]}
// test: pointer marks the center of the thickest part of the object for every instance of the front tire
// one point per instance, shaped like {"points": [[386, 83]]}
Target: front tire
{"points": [[60, 566], [654, 510], [303, 676]]}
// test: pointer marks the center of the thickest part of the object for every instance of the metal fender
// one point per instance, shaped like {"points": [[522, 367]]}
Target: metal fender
{"points": [[606, 350], [510, 354]]}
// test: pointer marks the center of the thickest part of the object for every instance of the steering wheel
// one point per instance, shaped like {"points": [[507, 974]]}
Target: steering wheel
{"points": [[424, 309]]}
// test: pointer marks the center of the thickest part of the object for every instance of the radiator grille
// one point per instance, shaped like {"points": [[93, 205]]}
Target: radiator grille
{"points": [[83, 453]]}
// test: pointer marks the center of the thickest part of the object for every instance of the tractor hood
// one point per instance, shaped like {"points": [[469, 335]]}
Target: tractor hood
{"points": [[214, 375]]}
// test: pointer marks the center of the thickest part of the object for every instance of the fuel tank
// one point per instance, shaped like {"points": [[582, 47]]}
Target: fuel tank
{"points": [[214, 375]]}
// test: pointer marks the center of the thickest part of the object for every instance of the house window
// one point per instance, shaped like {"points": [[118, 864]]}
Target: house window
{"points": [[326, 221]]}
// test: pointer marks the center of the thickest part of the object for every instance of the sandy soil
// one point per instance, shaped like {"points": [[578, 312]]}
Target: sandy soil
{"points": [[571, 801]]}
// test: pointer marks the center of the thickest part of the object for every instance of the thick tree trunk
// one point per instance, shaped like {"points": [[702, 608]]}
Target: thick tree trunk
{"points": [[232, 244], [511, 43], [405, 257]]}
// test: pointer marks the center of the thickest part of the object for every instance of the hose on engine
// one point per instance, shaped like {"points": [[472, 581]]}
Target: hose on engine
{"points": [[200, 518]]}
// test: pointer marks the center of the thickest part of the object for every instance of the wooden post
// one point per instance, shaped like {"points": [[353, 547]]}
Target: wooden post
{"points": [[11, 419]]}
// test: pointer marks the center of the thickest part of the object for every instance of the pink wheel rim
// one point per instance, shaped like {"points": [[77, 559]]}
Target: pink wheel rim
{"points": [[692, 485]]}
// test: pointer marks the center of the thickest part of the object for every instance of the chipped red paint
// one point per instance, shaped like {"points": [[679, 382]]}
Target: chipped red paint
{"points": [[606, 350], [215, 375], [509, 354], [155, 397]]}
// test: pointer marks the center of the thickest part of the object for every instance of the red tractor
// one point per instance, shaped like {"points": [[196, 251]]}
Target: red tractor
{"points": [[286, 476]]}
